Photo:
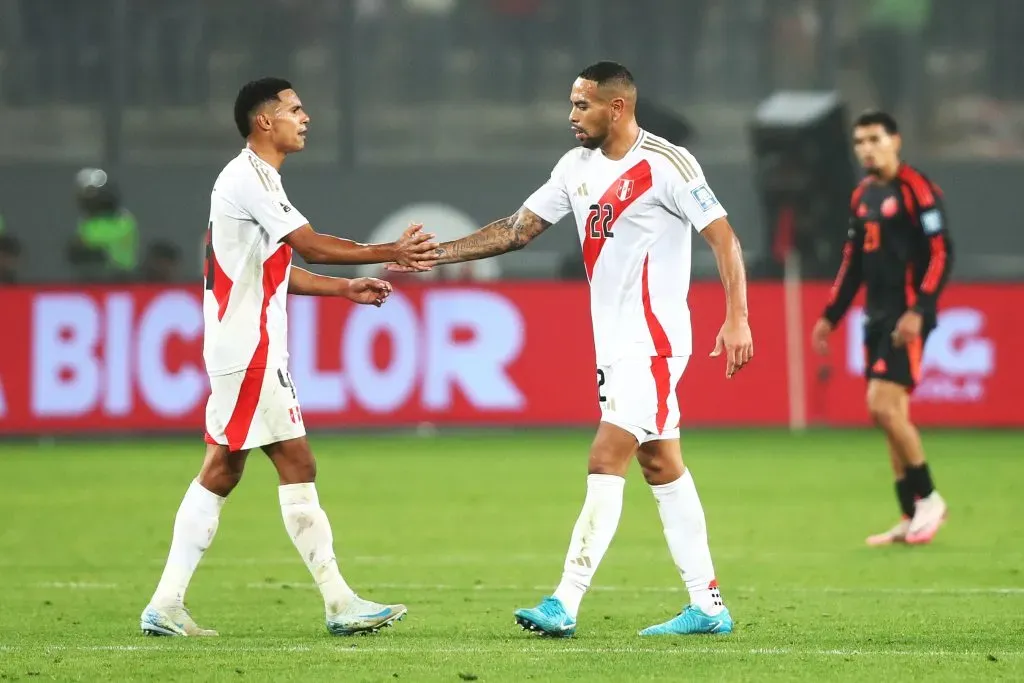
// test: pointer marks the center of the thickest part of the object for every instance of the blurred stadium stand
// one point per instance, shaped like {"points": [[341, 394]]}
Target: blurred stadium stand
{"points": [[464, 102]]}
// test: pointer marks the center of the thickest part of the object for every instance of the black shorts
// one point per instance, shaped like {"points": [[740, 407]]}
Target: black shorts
{"points": [[883, 360]]}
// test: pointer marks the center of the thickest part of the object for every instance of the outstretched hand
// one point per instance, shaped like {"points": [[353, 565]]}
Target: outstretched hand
{"points": [[368, 290], [414, 249], [735, 340]]}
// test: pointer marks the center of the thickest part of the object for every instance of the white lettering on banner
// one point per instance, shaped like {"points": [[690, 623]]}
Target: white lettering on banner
{"points": [[424, 352], [169, 394], [479, 365], [65, 370], [957, 358], [382, 390], [105, 356], [75, 370], [318, 390], [117, 355]]}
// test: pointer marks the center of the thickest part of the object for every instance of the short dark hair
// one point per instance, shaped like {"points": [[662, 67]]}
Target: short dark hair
{"points": [[604, 73], [876, 117], [252, 96]]}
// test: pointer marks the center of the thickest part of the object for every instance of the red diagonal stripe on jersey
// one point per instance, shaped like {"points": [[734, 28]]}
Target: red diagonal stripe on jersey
{"points": [[662, 346], [221, 287], [639, 180], [274, 270], [919, 184], [662, 349]]}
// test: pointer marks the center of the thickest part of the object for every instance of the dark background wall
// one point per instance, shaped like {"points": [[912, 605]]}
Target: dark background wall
{"points": [[464, 102]]}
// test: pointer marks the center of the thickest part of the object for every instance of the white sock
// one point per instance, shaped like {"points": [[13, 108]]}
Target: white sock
{"points": [[687, 534], [310, 531], [194, 528], [590, 538]]}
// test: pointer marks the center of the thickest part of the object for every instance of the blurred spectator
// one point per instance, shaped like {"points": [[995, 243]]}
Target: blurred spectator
{"points": [[10, 253], [168, 44], [105, 247], [429, 33], [162, 263], [519, 40], [1006, 69], [892, 41]]}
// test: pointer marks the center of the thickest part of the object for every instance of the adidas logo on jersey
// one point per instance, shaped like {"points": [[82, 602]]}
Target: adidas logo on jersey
{"points": [[582, 191]]}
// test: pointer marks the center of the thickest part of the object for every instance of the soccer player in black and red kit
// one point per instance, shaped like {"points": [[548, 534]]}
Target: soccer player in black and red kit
{"points": [[899, 248]]}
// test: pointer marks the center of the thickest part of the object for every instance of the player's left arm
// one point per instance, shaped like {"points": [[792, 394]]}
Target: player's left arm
{"points": [[688, 194], [362, 290], [735, 334], [931, 219], [929, 215]]}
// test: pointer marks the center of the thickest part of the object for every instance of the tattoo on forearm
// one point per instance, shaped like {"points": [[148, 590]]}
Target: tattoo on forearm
{"points": [[506, 234]]}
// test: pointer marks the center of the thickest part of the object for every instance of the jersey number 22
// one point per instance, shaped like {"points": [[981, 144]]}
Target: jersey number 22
{"points": [[599, 221]]}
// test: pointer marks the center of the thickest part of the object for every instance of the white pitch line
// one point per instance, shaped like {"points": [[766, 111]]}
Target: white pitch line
{"points": [[76, 585], [531, 649], [483, 588], [1013, 590]]}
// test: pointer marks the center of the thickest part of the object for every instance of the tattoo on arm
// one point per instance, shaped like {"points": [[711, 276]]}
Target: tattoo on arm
{"points": [[504, 235]]}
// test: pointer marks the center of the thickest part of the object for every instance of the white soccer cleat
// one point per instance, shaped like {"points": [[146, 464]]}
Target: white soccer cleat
{"points": [[171, 621], [897, 534], [929, 514], [364, 616]]}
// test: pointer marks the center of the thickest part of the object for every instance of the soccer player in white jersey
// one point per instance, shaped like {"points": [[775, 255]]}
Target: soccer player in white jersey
{"points": [[635, 198], [252, 233]]}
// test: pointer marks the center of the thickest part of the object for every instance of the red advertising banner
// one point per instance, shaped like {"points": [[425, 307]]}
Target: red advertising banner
{"points": [[130, 359]]}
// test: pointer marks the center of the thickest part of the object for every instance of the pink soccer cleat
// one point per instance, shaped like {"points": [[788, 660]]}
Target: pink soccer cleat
{"points": [[897, 534], [928, 517]]}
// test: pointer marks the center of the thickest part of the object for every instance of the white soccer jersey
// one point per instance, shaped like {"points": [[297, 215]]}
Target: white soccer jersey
{"points": [[247, 268], [634, 217]]}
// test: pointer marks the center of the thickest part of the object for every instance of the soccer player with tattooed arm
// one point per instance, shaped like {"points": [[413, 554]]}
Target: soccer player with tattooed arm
{"points": [[635, 198], [899, 248]]}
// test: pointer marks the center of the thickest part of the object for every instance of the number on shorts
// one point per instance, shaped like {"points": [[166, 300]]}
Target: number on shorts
{"points": [[600, 386], [286, 381]]}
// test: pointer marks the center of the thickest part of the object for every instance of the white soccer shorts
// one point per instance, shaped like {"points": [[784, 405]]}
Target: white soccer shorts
{"points": [[639, 395], [253, 408]]}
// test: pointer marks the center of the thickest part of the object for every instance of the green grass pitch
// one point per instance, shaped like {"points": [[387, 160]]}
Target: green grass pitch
{"points": [[466, 527]]}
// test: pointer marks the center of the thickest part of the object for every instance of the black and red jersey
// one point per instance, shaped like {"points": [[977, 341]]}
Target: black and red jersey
{"points": [[898, 247]]}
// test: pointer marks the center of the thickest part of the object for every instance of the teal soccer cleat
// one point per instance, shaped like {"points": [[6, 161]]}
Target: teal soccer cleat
{"points": [[549, 618], [692, 620]]}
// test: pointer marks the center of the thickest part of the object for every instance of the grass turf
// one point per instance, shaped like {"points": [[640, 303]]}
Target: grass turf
{"points": [[465, 527]]}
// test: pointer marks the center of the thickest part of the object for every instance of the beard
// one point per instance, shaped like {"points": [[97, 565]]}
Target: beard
{"points": [[592, 142]]}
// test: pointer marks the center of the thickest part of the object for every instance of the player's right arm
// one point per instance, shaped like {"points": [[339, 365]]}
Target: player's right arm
{"points": [[503, 235], [844, 289], [413, 249], [544, 208], [284, 223]]}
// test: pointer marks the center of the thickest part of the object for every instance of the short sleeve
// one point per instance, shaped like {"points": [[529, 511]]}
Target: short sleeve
{"points": [[269, 207], [551, 200], [688, 191]]}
